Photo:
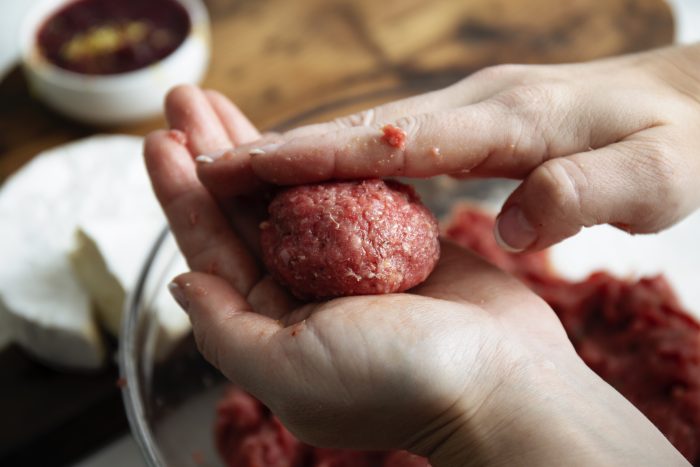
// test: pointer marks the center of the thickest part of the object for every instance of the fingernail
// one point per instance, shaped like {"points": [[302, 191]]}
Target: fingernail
{"points": [[179, 295], [269, 148], [203, 159], [212, 156], [513, 231], [256, 152]]}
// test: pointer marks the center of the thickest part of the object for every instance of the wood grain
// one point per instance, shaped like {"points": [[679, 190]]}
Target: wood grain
{"points": [[278, 58]]}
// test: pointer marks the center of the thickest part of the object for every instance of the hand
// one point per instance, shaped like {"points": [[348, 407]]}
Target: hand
{"points": [[461, 369], [613, 141]]}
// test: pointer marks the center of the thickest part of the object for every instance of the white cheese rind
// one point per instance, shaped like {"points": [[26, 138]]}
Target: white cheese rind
{"points": [[37, 322], [108, 256], [108, 259], [40, 206]]}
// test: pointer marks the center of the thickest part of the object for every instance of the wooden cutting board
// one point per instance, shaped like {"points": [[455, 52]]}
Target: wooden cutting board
{"points": [[280, 59]]}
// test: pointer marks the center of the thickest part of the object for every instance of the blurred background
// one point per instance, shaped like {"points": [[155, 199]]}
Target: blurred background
{"points": [[284, 63]]}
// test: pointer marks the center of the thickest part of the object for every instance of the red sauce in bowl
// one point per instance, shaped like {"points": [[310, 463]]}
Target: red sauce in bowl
{"points": [[102, 37]]}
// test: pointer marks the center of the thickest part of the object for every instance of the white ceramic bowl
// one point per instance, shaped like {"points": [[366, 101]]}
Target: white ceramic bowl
{"points": [[119, 98]]}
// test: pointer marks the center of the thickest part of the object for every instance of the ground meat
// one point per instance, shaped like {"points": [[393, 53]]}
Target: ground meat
{"points": [[472, 228], [394, 136], [635, 335], [248, 435], [349, 238]]}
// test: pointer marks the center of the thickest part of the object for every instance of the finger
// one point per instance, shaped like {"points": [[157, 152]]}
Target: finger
{"points": [[636, 184], [231, 176], [507, 135], [474, 88], [246, 213], [230, 335], [240, 130], [212, 121], [202, 233], [434, 144], [187, 109], [446, 98]]}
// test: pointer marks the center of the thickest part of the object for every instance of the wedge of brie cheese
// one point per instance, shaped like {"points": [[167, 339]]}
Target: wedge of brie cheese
{"points": [[48, 311], [108, 258]]}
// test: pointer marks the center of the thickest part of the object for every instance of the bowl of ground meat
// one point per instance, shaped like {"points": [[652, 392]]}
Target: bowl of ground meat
{"points": [[630, 306]]}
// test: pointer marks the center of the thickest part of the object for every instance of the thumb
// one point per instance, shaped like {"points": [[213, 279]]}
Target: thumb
{"points": [[230, 335], [635, 185]]}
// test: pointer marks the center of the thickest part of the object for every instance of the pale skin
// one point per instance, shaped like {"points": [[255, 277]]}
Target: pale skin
{"points": [[470, 368]]}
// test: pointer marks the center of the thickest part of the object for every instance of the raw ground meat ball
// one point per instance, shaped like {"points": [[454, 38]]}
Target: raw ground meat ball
{"points": [[349, 238]]}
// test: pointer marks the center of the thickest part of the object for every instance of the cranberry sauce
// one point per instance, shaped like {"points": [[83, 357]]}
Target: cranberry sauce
{"points": [[113, 36]]}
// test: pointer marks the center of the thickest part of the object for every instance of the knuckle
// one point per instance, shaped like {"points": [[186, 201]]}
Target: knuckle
{"points": [[666, 189], [511, 73], [406, 159], [559, 184], [659, 166], [540, 110], [365, 118], [531, 99], [206, 345], [410, 124]]}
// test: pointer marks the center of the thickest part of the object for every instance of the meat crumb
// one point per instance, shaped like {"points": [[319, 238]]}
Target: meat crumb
{"points": [[193, 218], [198, 458], [178, 136], [394, 136], [345, 231]]}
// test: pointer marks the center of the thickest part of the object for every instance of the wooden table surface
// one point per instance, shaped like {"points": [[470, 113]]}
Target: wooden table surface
{"points": [[277, 59]]}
